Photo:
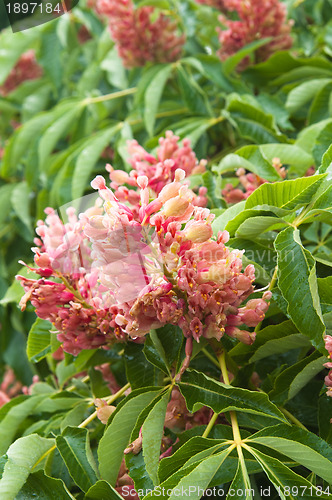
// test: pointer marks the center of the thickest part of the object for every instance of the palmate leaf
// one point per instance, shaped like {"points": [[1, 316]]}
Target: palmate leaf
{"points": [[200, 390], [285, 480], [23, 456], [113, 442], [74, 447], [300, 445], [298, 284]]}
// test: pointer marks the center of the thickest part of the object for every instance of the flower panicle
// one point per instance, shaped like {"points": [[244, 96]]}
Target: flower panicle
{"points": [[134, 263], [258, 19], [26, 68], [137, 37]]}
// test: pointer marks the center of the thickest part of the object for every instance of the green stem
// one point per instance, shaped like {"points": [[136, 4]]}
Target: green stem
{"points": [[271, 286], [210, 357], [292, 418], [234, 422], [109, 97], [210, 425]]}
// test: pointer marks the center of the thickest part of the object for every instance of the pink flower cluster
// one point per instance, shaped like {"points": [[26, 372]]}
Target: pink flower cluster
{"points": [[26, 68], [159, 169], [217, 4], [141, 258], [138, 38], [328, 378], [258, 19], [178, 273], [73, 301], [248, 182]]}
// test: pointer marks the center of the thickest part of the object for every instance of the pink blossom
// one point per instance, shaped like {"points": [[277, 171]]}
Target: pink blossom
{"points": [[137, 37], [218, 4], [248, 183], [26, 68], [258, 19]]}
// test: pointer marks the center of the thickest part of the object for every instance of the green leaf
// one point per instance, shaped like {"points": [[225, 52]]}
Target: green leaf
{"points": [[152, 431], [57, 130], [20, 199], [324, 418], [194, 450], [319, 109], [241, 483], [298, 284], [308, 373], [43, 487], [192, 95], [267, 336], [245, 216], [139, 371], [300, 445], [303, 93], [199, 390], [39, 340], [280, 345], [288, 154], [281, 477], [287, 194], [251, 158], [102, 490], [231, 62], [88, 158], [291, 380], [14, 418], [254, 226], [220, 223], [117, 434], [74, 447], [155, 353], [23, 456], [198, 478], [153, 95], [5, 204]]}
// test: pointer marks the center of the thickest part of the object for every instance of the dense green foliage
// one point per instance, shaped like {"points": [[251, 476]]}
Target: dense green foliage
{"points": [[77, 117]]}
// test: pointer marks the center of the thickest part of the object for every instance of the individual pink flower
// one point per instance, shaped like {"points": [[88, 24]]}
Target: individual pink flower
{"points": [[26, 68], [257, 19], [138, 38]]}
